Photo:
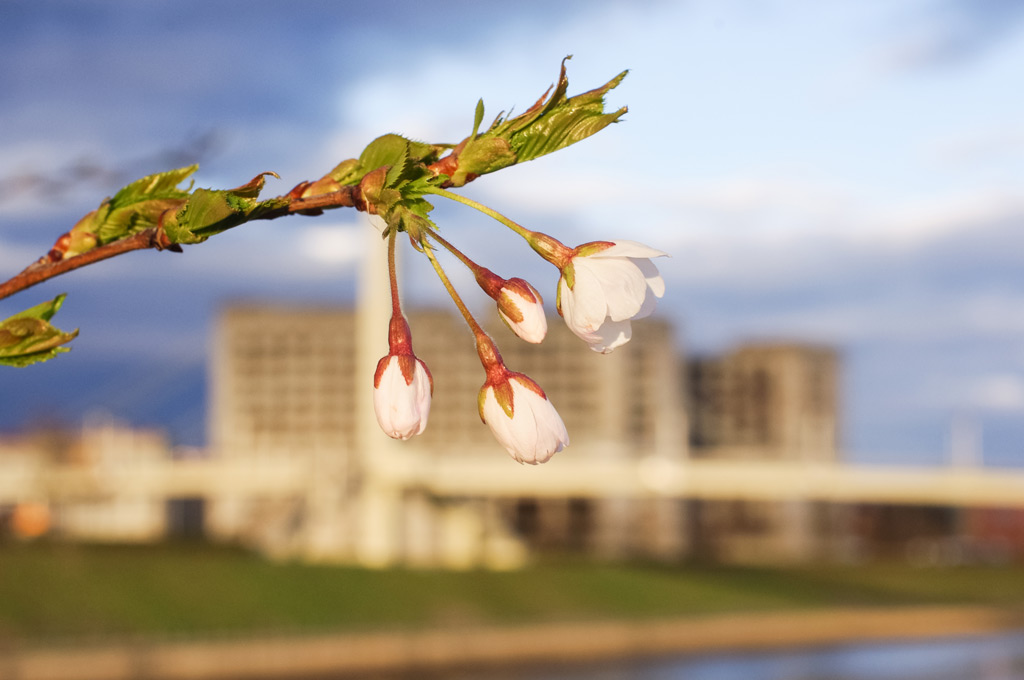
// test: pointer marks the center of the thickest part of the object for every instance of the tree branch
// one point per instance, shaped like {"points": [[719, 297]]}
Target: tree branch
{"points": [[389, 178], [44, 269]]}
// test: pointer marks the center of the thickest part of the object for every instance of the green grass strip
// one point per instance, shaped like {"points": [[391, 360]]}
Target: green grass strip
{"points": [[71, 591]]}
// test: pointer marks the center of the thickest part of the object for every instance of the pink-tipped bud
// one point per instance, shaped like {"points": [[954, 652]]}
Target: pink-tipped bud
{"points": [[402, 386], [522, 309], [521, 417]]}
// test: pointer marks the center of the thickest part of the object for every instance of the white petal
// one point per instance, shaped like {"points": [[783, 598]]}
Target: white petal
{"points": [[647, 308], [534, 433], [650, 272], [499, 422], [553, 436], [550, 433], [534, 325], [624, 287], [626, 248], [610, 335], [524, 428], [402, 409], [584, 305]]}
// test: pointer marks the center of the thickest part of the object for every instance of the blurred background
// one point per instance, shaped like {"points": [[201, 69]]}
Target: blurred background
{"points": [[838, 186]]}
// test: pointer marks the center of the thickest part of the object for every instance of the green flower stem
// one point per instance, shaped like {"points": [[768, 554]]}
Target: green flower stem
{"points": [[473, 325], [396, 309], [518, 228], [551, 249], [488, 281], [473, 266]]}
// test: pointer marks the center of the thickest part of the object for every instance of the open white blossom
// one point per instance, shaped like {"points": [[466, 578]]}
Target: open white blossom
{"points": [[604, 286], [522, 418]]}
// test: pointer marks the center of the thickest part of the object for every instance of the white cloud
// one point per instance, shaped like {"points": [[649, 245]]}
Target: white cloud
{"points": [[335, 245], [999, 392], [15, 258], [978, 146], [927, 218]]}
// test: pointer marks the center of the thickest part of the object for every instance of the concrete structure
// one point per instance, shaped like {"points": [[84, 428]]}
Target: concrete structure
{"points": [[31, 481], [294, 386], [766, 401], [297, 466], [102, 449], [286, 387]]}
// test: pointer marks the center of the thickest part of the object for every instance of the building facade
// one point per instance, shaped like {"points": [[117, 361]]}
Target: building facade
{"points": [[294, 384], [766, 401]]}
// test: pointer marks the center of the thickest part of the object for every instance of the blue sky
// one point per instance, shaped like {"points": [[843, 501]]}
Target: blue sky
{"points": [[849, 173]]}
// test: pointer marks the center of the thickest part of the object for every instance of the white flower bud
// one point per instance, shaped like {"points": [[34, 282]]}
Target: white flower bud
{"points": [[522, 418], [402, 387], [522, 309]]}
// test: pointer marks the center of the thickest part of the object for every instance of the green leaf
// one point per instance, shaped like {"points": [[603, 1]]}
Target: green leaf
{"points": [[398, 168], [478, 118], [394, 189], [160, 185], [485, 155], [552, 123], [566, 123], [136, 207], [411, 219], [421, 152], [28, 337], [346, 172], [406, 158], [139, 205], [208, 212], [387, 150]]}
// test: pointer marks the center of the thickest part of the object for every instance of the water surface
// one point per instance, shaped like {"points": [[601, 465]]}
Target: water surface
{"points": [[994, 657]]}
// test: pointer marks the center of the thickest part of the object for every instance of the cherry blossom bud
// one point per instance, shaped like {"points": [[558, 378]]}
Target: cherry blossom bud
{"points": [[516, 409], [603, 286], [520, 306], [522, 309], [402, 386], [522, 418]]}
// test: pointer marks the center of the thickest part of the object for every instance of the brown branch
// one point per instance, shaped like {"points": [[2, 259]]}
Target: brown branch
{"points": [[43, 270], [346, 197]]}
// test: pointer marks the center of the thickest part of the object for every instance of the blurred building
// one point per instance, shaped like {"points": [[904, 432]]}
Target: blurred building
{"points": [[298, 468], [766, 401], [41, 491], [285, 385]]}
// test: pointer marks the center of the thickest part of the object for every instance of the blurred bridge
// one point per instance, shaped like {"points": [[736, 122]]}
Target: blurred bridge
{"points": [[489, 474]]}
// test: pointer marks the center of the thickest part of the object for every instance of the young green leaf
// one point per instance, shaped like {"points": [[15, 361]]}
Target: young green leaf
{"points": [[478, 118], [552, 123], [138, 206], [28, 337], [208, 212], [565, 122], [387, 150]]}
